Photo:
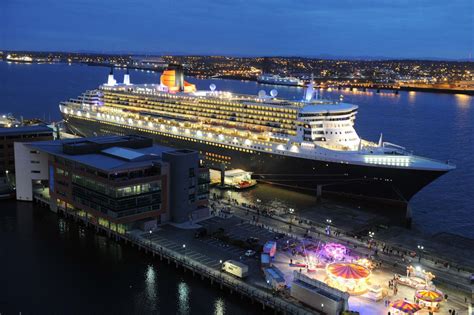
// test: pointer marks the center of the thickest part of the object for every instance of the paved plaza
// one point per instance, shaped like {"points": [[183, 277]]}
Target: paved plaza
{"points": [[241, 225]]}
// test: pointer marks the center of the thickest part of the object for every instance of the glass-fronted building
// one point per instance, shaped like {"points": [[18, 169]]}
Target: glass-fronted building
{"points": [[124, 182]]}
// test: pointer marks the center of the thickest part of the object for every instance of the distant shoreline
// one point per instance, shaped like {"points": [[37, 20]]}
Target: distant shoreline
{"points": [[241, 78]]}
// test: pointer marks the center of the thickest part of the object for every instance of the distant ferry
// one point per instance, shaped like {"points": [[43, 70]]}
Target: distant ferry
{"points": [[307, 144], [8, 120], [277, 80]]}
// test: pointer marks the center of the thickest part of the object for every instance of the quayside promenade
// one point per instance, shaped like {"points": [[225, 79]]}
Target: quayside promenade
{"points": [[203, 256], [394, 249], [204, 263]]}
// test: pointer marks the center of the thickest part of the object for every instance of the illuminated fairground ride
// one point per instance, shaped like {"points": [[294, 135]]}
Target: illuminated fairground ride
{"points": [[429, 298], [335, 251], [312, 258], [348, 277], [366, 263]]}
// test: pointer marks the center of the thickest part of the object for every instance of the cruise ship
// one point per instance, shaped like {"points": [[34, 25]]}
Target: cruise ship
{"points": [[277, 80], [307, 144]]}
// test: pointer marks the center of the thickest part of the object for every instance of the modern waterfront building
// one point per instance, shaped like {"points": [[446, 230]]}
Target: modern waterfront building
{"points": [[118, 182], [8, 136], [307, 144]]}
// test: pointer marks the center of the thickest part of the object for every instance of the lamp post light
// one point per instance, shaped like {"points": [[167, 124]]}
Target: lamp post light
{"points": [[7, 178], [421, 248], [149, 240], [184, 250], [291, 211]]}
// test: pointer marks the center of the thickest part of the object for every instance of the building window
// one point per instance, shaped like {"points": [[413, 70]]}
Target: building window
{"points": [[35, 172]]}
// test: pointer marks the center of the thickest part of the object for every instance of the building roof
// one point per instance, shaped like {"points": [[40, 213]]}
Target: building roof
{"points": [[24, 130], [108, 159]]}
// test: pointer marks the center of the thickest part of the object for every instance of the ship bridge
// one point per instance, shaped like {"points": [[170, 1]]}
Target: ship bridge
{"points": [[329, 125]]}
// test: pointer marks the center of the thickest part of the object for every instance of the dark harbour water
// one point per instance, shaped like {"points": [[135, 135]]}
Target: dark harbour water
{"points": [[52, 266]]}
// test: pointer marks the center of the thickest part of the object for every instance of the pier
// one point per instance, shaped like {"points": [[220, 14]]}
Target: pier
{"points": [[261, 297], [201, 257]]}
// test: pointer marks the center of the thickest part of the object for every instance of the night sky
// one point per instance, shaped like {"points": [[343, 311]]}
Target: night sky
{"points": [[376, 28]]}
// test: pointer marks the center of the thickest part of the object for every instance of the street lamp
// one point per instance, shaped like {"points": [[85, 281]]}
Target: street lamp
{"points": [[421, 248], [371, 234], [329, 221], [184, 249]]}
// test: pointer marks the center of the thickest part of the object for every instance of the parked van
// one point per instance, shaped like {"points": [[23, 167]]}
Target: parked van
{"points": [[235, 268]]}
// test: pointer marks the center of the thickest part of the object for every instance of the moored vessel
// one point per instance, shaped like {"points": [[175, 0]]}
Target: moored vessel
{"points": [[308, 144], [278, 80]]}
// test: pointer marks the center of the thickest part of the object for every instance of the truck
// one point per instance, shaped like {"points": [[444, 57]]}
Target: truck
{"points": [[265, 260], [235, 268], [270, 248], [274, 278]]}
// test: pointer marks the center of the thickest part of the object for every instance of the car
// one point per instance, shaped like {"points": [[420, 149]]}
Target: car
{"points": [[250, 253], [279, 236], [253, 240], [227, 210], [201, 232]]}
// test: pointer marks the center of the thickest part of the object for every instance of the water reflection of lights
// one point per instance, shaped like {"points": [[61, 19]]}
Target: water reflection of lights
{"points": [[63, 227], [82, 233], [219, 307], [463, 100], [150, 279], [411, 96], [183, 296]]}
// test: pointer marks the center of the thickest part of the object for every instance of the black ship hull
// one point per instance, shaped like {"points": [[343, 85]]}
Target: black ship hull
{"points": [[379, 184]]}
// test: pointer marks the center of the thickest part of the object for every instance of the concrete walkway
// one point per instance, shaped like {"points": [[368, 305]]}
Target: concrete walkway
{"points": [[455, 282]]}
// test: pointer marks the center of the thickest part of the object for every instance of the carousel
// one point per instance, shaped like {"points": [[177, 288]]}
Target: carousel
{"points": [[348, 277], [429, 298], [404, 307], [417, 278]]}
